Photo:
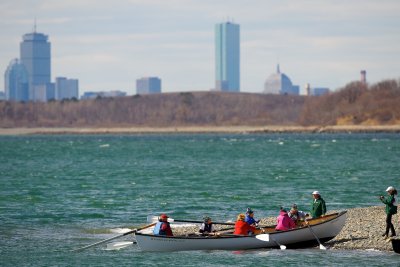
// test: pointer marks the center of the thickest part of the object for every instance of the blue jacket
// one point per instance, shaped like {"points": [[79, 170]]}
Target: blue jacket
{"points": [[250, 220]]}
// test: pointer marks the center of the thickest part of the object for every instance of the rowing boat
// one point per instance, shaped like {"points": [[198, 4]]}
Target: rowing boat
{"points": [[324, 228]]}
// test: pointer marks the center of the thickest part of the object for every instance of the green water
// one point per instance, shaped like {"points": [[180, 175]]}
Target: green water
{"points": [[62, 192]]}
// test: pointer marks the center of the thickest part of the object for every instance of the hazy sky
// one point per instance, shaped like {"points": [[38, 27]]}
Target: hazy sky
{"points": [[107, 45]]}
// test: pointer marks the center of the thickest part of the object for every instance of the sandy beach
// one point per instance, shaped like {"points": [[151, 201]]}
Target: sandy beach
{"points": [[206, 129]]}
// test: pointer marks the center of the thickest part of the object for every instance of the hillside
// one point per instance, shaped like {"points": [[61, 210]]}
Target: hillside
{"points": [[355, 104]]}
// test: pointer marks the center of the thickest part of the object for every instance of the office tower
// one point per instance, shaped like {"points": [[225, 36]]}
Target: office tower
{"points": [[35, 55], [148, 85], [44, 92], [227, 57], [66, 88], [16, 82], [280, 83], [318, 91]]}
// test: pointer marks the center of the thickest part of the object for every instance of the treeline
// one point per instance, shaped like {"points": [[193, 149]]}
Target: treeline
{"points": [[356, 103]]}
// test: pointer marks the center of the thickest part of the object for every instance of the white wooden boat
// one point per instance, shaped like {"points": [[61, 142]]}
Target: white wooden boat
{"points": [[325, 228]]}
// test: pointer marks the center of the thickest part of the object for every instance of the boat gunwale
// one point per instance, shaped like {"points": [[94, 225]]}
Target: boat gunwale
{"points": [[207, 237]]}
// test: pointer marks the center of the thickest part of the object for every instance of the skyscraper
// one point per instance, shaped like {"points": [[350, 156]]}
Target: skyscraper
{"points": [[227, 57], [280, 83], [16, 81], [148, 85], [66, 88], [35, 56]]}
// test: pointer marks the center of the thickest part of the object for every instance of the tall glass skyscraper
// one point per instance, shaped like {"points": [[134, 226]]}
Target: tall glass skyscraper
{"points": [[16, 81], [35, 55], [227, 57]]}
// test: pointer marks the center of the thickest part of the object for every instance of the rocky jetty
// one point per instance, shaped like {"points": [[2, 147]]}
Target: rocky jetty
{"points": [[363, 230]]}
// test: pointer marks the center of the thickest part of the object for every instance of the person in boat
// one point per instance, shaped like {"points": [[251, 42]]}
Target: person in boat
{"points": [[242, 227], [163, 227], [318, 207], [297, 215], [283, 222], [207, 228], [390, 210], [250, 218]]}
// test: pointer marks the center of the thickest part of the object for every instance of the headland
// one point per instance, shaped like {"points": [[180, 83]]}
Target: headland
{"points": [[203, 129]]}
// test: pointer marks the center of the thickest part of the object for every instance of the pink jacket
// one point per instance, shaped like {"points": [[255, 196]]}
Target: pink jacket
{"points": [[284, 222]]}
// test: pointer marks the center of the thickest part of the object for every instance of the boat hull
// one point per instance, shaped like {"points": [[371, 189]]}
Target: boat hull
{"points": [[396, 245], [295, 238]]}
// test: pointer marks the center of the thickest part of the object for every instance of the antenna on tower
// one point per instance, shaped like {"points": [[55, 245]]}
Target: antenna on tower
{"points": [[34, 26]]}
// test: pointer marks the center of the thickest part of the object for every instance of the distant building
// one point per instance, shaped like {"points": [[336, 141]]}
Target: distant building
{"points": [[279, 83], [35, 56], [16, 82], [318, 91], [94, 95], [148, 85], [227, 57], [363, 76], [43, 92], [66, 88]]}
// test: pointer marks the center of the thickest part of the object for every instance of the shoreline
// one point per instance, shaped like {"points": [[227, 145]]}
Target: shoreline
{"points": [[202, 129]]}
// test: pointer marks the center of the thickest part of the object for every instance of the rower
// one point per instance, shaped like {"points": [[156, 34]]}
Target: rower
{"points": [[207, 228], [163, 227]]}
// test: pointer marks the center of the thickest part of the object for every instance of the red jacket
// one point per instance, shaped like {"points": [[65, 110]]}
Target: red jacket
{"points": [[167, 228], [243, 228]]}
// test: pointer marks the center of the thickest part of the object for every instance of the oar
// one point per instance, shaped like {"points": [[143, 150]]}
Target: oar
{"points": [[119, 245], [316, 237], [266, 237], [112, 238], [225, 229], [155, 219]]}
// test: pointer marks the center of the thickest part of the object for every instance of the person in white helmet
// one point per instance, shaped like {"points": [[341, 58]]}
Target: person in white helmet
{"points": [[318, 207], [390, 209]]}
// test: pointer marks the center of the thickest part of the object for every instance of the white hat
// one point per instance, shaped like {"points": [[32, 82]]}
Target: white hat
{"points": [[315, 193], [390, 188]]}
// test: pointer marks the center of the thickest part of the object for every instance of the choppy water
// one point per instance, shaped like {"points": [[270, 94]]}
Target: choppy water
{"points": [[58, 193]]}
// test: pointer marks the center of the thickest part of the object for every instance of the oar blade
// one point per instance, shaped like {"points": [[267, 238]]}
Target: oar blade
{"points": [[112, 238], [322, 247], [283, 247], [263, 237], [119, 245], [154, 219]]}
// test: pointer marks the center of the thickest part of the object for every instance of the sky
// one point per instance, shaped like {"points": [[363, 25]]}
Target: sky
{"points": [[108, 45]]}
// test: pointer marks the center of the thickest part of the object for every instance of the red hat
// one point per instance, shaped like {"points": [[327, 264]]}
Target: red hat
{"points": [[164, 216]]}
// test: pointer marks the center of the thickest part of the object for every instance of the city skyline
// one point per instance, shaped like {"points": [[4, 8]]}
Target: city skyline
{"points": [[322, 43]]}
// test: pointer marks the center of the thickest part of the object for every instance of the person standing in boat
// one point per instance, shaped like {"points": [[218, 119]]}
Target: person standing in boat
{"points": [[297, 215], [318, 207], [207, 228], [283, 222], [390, 210], [163, 227], [242, 227], [250, 218]]}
